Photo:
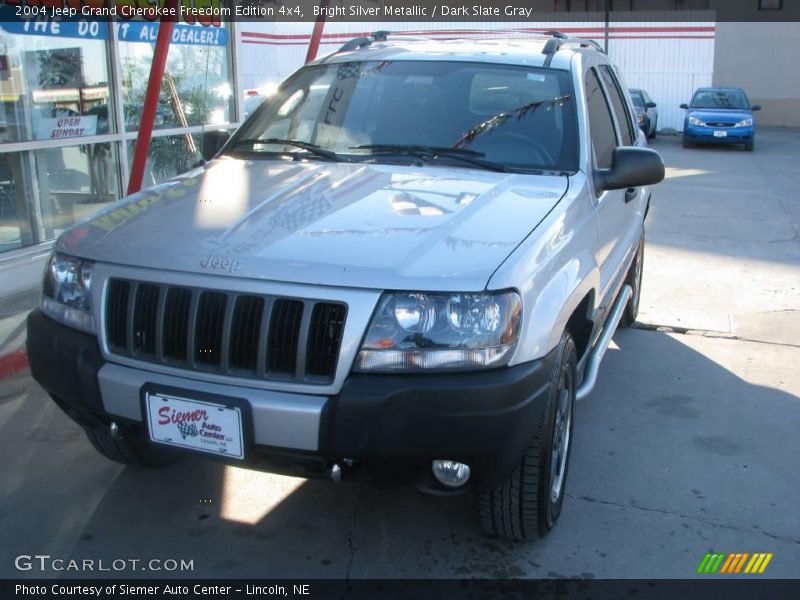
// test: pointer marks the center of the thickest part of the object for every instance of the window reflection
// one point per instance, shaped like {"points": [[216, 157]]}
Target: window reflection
{"points": [[168, 156], [15, 220], [52, 88], [75, 182], [197, 87]]}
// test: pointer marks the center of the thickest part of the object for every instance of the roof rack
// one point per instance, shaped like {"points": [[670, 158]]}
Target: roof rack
{"points": [[361, 42], [558, 39]]}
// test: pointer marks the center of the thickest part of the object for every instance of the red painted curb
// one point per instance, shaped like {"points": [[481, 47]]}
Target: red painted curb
{"points": [[13, 363]]}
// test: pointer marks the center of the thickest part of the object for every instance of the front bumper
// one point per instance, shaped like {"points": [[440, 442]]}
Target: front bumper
{"points": [[711, 135], [378, 427]]}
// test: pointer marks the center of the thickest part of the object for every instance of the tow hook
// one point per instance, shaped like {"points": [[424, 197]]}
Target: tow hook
{"points": [[336, 472]]}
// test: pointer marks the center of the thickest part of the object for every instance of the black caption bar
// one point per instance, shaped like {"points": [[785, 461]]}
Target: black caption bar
{"points": [[316, 589], [518, 11]]}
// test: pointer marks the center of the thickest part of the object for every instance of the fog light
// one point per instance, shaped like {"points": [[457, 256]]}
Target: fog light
{"points": [[450, 473]]}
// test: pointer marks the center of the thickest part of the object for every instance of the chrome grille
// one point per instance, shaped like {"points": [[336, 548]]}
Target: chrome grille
{"points": [[231, 333]]}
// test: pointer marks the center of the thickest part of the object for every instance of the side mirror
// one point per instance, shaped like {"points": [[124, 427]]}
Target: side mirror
{"points": [[212, 142], [630, 167], [755, 107], [684, 106], [650, 105]]}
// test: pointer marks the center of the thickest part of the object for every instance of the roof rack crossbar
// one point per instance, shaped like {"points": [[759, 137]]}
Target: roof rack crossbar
{"points": [[559, 39], [363, 41]]}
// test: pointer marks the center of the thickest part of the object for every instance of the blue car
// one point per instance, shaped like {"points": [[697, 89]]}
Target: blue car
{"points": [[720, 116]]}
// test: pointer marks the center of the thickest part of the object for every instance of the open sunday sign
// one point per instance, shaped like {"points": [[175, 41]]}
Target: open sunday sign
{"points": [[127, 31]]}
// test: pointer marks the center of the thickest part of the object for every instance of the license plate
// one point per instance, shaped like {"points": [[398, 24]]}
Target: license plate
{"points": [[720, 134], [195, 424]]}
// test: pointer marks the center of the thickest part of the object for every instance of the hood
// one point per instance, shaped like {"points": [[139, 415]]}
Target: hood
{"points": [[724, 115], [353, 225]]}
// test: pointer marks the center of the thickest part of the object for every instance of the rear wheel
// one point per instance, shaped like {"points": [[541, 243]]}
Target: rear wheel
{"points": [[128, 450], [634, 279], [528, 504]]}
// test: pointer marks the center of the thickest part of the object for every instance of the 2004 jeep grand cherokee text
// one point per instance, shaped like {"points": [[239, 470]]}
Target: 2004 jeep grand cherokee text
{"points": [[406, 265]]}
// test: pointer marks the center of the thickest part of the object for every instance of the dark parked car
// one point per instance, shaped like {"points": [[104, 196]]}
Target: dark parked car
{"points": [[720, 116], [646, 113]]}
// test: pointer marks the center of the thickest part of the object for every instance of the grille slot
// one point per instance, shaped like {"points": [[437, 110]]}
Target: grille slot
{"points": [[284, 330], [116, 315], [144, 319], [208, 328], [176, 324], [324, 339], [242, 335], [245, 328]]}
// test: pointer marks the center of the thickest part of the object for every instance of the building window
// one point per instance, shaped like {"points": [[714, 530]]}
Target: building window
{"points": [[197, 87], [74, 182], [770, 4], [51, 87], [168, 156]]}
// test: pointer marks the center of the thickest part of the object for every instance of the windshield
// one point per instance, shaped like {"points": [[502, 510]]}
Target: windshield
{"points": [[507, 117], [638, 98], [720, 99]]}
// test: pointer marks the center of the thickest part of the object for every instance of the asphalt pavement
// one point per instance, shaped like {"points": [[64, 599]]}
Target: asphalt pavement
{"points": [[688, 445]]}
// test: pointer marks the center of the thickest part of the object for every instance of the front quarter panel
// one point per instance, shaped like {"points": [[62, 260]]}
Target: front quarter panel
{"points": [[553, 269]]}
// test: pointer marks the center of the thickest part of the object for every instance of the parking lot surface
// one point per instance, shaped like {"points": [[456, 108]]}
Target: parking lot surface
{"points": [[688, 445]]}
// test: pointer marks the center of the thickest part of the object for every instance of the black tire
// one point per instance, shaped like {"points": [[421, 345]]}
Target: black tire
{"points": [[686, 144], [749, 146], [523, 507], [128, 450], [653, 133], [634, 279]]}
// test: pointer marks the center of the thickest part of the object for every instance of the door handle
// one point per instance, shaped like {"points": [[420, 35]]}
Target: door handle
{"points": [[630, 194]]}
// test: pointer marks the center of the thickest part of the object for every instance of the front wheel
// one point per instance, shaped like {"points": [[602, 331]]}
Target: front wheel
{"points": [[528, 504], [749, 146]]}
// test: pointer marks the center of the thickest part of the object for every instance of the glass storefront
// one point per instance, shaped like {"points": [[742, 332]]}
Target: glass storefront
{"points": [[168, 156], [70, 106], [196, 90]]}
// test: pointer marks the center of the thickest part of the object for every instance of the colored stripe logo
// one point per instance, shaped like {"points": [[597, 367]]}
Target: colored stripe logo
{"points": [[734, 563]]}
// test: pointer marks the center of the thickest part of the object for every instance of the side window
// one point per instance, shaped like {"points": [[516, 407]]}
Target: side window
{"points": [[601, 126], [620, 108]]}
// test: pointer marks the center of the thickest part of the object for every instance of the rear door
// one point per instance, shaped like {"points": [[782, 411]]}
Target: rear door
{"points": [[611, 125]]}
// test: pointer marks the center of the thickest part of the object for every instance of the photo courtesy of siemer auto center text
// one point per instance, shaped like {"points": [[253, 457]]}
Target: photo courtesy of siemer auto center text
{"points": [[388, 299]]}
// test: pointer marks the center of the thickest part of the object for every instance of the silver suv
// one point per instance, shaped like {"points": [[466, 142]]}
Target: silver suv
{"points": [[405, 266]]}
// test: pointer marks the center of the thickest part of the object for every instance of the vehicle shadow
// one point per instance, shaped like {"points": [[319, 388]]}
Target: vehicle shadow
{"points": [[674, 454]]}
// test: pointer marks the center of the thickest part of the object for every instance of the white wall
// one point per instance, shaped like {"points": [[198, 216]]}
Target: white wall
{"points": [[668, 59]]}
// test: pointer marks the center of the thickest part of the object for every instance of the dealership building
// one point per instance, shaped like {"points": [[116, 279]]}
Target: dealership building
{"points": [[71, 93]]}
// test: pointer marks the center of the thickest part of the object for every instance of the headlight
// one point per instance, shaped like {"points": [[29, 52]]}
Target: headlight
{"points": [[416, 331], [67, 291], [696, 121], [745, 123]]}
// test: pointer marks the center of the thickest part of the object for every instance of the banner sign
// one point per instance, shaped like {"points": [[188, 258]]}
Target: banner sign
{"points": [[74, 25]]}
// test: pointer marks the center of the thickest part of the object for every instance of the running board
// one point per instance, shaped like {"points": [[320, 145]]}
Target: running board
{"points": [[600, 347]]}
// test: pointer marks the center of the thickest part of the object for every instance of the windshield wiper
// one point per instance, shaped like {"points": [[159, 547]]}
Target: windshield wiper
{"points": [[490, 124], [307, 146], [434, 152]]}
